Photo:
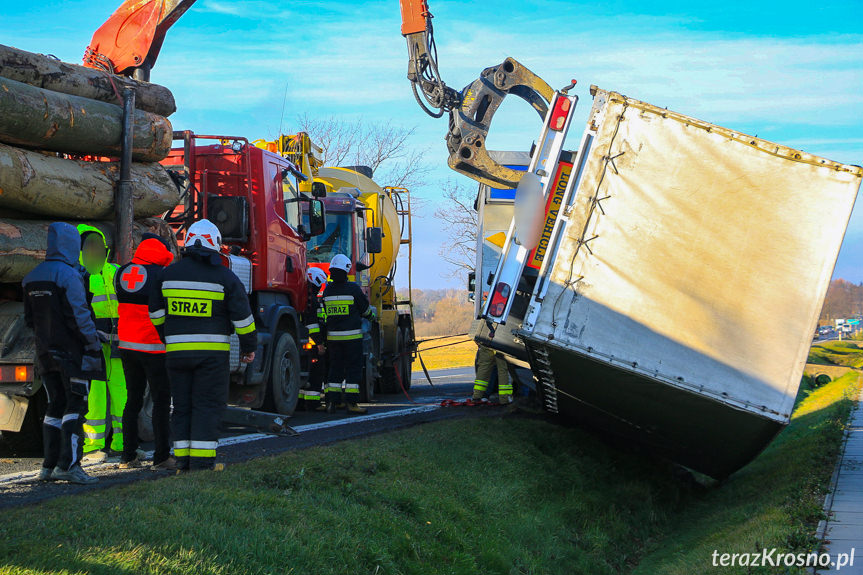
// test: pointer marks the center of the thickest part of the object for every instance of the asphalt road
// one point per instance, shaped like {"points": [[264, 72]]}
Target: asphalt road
{"points": [[240, 443]]}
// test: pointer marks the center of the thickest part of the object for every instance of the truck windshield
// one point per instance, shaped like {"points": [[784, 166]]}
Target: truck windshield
{"points": [[335, 240]]}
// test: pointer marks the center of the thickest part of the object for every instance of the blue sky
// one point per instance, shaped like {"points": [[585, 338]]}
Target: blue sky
{"points": [[790, 72]]}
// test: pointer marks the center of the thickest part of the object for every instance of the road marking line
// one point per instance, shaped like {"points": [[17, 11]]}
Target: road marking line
{"points": [[13, 478]]}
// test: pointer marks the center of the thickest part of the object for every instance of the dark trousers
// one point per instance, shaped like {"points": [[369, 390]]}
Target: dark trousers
{"points": [[346, 364], [199, 387], [142, 368], [63, 426]]}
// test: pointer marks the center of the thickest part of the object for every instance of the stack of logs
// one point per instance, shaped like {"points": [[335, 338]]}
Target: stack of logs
{"points": [[60, 129]]}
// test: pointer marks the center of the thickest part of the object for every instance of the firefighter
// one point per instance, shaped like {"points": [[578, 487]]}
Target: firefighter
{"points": [[108, 397], [68, 351], [195, 305], [345, 305], [486, 362], [143, 353], [312, 395]]}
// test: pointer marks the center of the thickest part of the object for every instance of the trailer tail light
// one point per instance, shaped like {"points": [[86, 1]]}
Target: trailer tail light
{"points": [[499, 299], [558, 115], [308, 345], [17, 373]]}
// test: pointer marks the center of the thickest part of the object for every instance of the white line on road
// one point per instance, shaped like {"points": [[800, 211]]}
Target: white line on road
{"points": [[239, 439]]}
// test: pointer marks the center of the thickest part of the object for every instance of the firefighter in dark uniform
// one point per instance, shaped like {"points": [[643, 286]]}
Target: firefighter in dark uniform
{"points": [[313, 394], [68, 351], [195, 305], [345, 305]]}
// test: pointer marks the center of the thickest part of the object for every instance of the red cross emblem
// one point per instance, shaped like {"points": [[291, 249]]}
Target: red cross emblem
{"points": [[134, 278]]}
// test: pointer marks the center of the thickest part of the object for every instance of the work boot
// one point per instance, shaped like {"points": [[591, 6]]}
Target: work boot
{"points": [[504, 399], [322, 406], [478, 394], [96, 456], [169, 464], [356, 409], [331, 407], [46, 474], [134, 463], [74, 475]]}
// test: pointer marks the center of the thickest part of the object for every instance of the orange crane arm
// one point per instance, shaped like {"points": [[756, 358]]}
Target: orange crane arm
{"points": [[129, 42]]}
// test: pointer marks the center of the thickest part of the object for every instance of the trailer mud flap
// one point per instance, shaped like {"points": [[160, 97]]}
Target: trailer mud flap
{"points": [[13, 408]]}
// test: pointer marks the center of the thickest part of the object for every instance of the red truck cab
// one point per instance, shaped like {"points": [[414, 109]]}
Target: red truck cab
{"points": [[252, 196]]}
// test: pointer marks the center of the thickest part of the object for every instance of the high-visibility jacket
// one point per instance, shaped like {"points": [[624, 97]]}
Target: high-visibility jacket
{"points": [[133, 283], [196, 304], [101, 287], [345, 305]]}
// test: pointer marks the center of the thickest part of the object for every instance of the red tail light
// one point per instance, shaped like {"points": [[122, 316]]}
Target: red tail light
{"points": [[559, 114], [499, 299]]}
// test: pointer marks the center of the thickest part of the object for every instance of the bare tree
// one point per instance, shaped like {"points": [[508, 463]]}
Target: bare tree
{"points": [[460, 220], [384, 148]]}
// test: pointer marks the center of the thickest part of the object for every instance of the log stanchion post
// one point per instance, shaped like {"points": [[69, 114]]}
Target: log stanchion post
{"points": [[123, 197]]}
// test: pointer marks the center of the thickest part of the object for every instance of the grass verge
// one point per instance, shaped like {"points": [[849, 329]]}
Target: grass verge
{"points": [[844, 353], [489, 495], [460, 351]]}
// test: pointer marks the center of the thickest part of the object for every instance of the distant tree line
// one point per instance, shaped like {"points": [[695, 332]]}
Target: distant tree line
{"points": [[844, 299], [441, 312]]}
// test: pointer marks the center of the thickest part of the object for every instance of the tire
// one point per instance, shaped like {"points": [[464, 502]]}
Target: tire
{"points": [[284, 386], [390, 383], [407, 359], [28, 441]]}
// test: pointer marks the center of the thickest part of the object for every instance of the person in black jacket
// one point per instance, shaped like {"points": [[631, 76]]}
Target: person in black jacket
{"points": [[345, 305], [68, 351], [195, 305]]}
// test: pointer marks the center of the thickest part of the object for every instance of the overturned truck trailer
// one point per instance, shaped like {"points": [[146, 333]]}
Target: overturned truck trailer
{"points": [[680, 281]]}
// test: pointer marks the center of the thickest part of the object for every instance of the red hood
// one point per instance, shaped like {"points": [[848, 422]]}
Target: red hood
{"points": [[152, 251]]}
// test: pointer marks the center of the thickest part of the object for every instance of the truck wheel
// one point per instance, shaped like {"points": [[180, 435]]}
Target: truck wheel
{"points": [[397, 369], [29, 439], [285, 374], [407, 359]]}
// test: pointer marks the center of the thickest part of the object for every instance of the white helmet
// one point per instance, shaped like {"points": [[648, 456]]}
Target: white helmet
{"points": [[205, 233], [316, 276], [341, 262]]}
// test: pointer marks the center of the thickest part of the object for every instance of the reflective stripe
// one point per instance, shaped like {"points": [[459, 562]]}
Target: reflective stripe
{"points": [[312, 395], [198, 347], [202, 452], [96, 422], [157, 314], [181, 452], [53, 422], [334, 387], [158, 321], [314, 327], [347, 334], [193, 294], [480, 384], [103, 298], [246, 322], [94, 436], [187, 285], [142, 346], [182, 443], [245, 330], [339, 299], [197, 337], [203, 444], [352, 388]]}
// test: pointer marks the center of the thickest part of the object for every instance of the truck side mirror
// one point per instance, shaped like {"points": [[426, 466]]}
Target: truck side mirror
{"points": [[317, 218], [319, 189], [374, 240], [471, 282]]}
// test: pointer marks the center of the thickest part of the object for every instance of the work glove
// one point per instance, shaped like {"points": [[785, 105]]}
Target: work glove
{"points": [[372, 314], [103, 337]]}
